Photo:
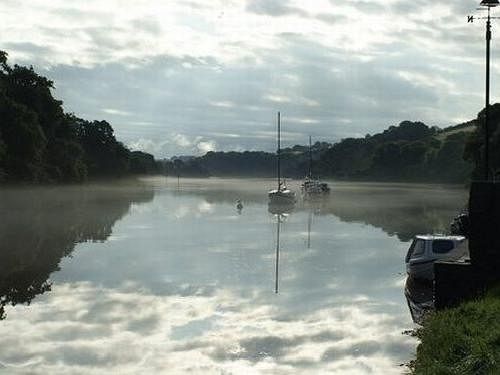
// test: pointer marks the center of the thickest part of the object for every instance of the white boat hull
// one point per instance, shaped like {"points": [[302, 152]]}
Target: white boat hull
{"points": [[314, 188], [281, 197], [422, 254]]}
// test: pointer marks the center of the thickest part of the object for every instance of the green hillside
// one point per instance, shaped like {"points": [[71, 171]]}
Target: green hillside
{"points": [[411, 151]]}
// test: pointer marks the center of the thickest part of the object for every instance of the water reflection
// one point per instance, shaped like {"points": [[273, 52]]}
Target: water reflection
{"points": [[40, 226], [280, 216], [399, 209], [420, 298], [239, 206], [314, 207], [278, 224], [198, 279]]}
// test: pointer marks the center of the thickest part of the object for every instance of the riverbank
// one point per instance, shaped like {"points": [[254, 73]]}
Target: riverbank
{"points": [[462, 340]]}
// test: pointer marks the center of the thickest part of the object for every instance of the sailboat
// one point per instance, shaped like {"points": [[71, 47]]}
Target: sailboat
{"points": [[281, 195], [313, 187]]}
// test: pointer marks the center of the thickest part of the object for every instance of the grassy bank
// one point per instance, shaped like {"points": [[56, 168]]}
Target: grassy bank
{"points": [[462, 340]]}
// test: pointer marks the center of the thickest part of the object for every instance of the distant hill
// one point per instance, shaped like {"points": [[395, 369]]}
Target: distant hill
{"points": [[39, 142], [411, 151], [295, 163], [467, 127]]}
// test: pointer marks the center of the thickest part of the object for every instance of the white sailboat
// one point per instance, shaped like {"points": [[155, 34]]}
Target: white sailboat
{"points": [[281, 195], [313, 187]]}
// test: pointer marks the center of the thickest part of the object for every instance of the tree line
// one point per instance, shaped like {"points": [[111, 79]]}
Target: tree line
{"points": [[411, 151], [39, 142]]}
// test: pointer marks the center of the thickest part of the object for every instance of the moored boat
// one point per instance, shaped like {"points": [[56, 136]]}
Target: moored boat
{"points": [[313, 187], [280, 195], [427, 249]]}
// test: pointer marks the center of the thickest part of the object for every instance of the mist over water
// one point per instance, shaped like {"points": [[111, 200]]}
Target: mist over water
{"points": [[159, 276]]}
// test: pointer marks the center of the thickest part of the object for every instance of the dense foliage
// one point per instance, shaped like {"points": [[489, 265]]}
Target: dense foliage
{"points": [[294, 162], [475, 147], [411, 151], [41, 143]]}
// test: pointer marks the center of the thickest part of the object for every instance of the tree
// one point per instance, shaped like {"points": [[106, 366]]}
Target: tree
{"points": [[39, 142], [24, 142], [474, 149]]}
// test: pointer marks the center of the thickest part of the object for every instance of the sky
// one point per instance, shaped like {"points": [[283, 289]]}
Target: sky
{"points": [[184, 77]]}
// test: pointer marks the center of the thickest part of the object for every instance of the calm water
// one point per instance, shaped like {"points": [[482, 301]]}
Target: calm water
{"points": [[150, 277]]}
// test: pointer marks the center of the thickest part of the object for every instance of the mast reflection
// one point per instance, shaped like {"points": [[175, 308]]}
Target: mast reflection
{"points": [[314, 207], [281, 212], [309, 224]]}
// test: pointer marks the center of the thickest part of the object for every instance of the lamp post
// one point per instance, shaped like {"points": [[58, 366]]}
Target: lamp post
{"points": [[488, 4]]}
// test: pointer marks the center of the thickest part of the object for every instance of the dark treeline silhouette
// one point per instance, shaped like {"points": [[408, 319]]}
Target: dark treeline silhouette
{"points": [[411, 151], [294, 163], [474, 150], [39, 142], [40, 226]]}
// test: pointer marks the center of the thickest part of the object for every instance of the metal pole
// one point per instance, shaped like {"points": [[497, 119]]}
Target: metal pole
{"points": [[279, 151], [310, 158], [487, 108]]}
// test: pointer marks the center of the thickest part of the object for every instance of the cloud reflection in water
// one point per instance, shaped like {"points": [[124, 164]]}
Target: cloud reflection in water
{"points": [[81, 327], [195, 292]]}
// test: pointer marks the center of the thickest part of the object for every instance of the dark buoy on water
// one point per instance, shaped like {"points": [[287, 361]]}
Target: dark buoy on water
{"points": [[239, 206]]}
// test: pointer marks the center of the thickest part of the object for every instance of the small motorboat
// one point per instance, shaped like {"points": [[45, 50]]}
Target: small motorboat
{"points": [[426, 249]]}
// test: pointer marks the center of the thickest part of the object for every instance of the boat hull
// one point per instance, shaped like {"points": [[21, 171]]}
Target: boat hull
{"points": [[281, 197], [425, 250], [423, 270], [314, 188]]}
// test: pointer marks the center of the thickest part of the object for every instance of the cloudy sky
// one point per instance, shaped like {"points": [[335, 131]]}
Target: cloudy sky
{"points": [[188, 76]]}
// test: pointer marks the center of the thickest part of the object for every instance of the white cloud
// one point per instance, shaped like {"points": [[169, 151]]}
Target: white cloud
{"points": [[182, 141], [149, 146], [81, 327], [195, 69], [278, 98], [204, 147], [223, 104], [174, 144], [111, 111]]}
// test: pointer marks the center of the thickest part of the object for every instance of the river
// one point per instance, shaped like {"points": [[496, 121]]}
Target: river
{"points": [[164, 276]]}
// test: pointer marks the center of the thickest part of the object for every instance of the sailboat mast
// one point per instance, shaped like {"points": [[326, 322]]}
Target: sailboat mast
{"points": [[279, 151], [310, 158]]}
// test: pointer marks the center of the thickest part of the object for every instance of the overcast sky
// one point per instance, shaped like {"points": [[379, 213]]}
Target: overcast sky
{"points": [[188, 76]]}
